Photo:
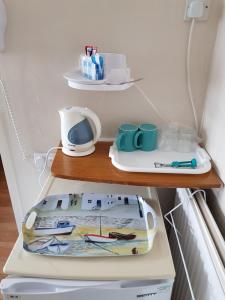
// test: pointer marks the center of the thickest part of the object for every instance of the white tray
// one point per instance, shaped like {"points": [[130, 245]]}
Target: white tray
{"points": [[141, 161], [77, 81]]}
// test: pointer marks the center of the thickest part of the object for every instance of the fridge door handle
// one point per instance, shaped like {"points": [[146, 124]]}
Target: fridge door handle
{"points": [[32, 287], [38, 286]]}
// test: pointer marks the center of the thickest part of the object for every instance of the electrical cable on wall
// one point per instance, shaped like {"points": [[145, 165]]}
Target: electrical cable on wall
{"points": [[12, 119], [188, 67], [150, 102], [188, 71], [46, 163]]}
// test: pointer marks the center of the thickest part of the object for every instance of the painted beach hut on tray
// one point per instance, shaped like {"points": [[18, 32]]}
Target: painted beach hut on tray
{"points": [[93, 201], [57, 202]]}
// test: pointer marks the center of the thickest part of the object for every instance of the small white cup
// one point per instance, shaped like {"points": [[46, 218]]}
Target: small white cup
{"points": [[118, 76], [115, 68]]}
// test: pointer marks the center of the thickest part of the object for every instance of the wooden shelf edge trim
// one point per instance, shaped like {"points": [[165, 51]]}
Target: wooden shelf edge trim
{"points": [[97, 167], [148, 184]]}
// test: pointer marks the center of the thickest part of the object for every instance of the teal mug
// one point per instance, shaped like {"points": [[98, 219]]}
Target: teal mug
{"points": [[146, 138], [126, 136]]}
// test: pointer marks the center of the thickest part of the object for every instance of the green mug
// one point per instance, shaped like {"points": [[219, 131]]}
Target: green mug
{"points": [[125, 137], [146, 138]]}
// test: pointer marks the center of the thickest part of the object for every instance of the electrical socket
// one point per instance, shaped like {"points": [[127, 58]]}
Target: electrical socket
{"points": [[206, 5], [39, 160]]}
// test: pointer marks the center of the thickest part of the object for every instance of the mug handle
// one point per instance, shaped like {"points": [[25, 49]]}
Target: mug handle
{"points": [[119, 141], [136, 137]]}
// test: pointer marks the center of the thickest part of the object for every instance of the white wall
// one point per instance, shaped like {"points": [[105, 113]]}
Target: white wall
{"points": [[214, 117], [44, 39]]}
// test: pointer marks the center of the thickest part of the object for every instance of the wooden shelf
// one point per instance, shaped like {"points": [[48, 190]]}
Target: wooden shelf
{"points": [[97, 167]]}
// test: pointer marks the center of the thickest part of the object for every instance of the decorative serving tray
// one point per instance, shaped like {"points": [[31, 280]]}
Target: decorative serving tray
{"points": [[143, 161], [89, 224]]}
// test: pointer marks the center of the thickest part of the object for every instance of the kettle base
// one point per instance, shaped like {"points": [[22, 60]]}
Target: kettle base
{"points": [[76, 153]]}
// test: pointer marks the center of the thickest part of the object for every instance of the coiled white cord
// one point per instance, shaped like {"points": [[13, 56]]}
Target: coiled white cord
{"points": [[10, 112], [188, 67], [45, 164]]}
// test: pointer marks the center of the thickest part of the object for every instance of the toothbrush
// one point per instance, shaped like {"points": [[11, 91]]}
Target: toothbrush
{"points": [[191, 164], [98, 61]]}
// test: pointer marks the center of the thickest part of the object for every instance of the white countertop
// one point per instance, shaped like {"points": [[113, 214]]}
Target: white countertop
{"points": [[157, 264]]}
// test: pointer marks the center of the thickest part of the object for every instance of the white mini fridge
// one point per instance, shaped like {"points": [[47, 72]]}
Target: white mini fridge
{"points": [[149, 276]]}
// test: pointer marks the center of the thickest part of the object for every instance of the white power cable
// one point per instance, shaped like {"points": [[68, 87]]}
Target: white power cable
{"points": [[45, 164], [190, 93], [150, 102], [202, 121], [188, 67], [10, 112]]}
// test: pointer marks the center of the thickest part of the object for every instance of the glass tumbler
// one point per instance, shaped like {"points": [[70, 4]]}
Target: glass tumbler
{"points": [[187, 140], [168, 138]]}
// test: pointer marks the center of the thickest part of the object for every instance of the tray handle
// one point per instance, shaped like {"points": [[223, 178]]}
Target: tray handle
{"points": [[30, 219], [202, 156], [149, 210]]}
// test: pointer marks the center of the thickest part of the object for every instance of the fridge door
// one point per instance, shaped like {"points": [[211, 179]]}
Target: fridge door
{"points": [[49, 289]]}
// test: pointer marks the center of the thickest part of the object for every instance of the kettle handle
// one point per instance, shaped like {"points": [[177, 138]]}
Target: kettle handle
{"points": [[95, 119]]}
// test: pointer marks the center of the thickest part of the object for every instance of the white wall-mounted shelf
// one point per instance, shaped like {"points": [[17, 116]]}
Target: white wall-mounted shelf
{"points": [[77, 81]]}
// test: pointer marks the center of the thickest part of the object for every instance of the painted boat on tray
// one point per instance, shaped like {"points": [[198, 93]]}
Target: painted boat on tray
{"points": [[122, 236], [94, 238], [62, 228]]}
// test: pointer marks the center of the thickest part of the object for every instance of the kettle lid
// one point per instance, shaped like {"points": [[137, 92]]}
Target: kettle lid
{"points": [[70, 109]]}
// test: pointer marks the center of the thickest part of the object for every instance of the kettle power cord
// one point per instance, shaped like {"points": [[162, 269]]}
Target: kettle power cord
{"points": [[46, 163]]}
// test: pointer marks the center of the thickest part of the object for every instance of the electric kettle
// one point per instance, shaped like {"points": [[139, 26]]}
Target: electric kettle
{"points": [[80, 130]]}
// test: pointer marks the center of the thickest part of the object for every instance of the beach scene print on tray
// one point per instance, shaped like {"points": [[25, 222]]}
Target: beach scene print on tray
{"points": [[90, 224]]}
